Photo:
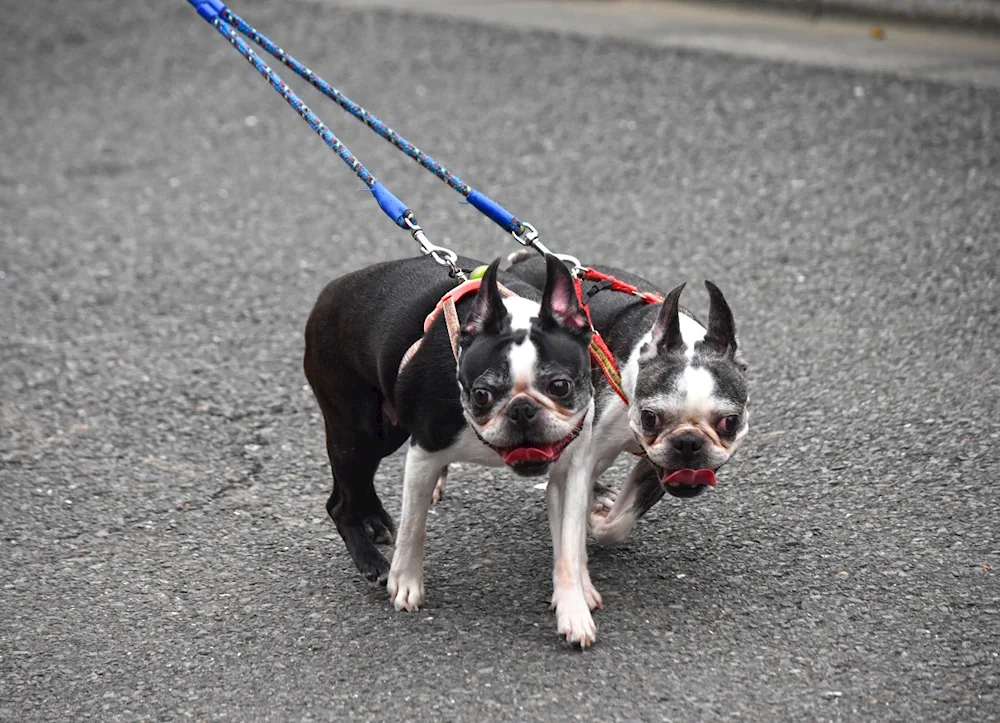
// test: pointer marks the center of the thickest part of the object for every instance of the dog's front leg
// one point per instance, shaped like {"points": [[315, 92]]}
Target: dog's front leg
{"points": [[569, 501], [554, 500], [641, 491], [406, 576]]}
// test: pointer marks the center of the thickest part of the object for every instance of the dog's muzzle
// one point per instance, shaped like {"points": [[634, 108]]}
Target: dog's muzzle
{"points": [[532, 458]]}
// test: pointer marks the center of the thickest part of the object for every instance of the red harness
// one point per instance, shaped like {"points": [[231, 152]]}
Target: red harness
{"points": [[616, 285], [599, 352], [447, 306]]}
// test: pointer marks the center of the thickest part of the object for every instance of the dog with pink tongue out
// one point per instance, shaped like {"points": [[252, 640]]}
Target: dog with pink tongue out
{"points": [[687, 392]]}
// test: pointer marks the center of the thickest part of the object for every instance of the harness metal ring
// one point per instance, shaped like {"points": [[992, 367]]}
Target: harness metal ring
{"points": [[573, 262]]}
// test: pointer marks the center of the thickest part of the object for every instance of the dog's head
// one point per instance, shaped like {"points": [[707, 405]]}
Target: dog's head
{"points": [[689, 410], [524, 370]]}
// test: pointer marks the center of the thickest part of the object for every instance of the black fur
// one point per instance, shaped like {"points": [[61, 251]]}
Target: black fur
{"points": [[357, 333]]}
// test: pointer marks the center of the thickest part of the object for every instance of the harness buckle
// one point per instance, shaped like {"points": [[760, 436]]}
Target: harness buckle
{"points": [[597, 288]]}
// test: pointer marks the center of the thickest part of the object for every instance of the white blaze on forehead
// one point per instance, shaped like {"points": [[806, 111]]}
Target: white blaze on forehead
{"points": [[523, 355], [691, 332], [695, 388], [521, 311]]}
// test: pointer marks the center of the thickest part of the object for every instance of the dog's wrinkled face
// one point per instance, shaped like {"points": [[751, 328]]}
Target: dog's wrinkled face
{"points": [[689, 410], [524, 370]]}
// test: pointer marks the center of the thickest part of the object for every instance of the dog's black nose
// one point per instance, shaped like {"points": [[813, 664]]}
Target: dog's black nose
{"points": [[522, 411], [688, 445]]}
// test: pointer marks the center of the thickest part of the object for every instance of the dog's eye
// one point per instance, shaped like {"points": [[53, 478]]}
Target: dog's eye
{"points": [[560, 388], [650, 420], [728, 425], [482, 397]]}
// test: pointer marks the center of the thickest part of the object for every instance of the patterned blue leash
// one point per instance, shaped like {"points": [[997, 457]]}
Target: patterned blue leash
{"points": [[394, 208], [524, 233]]}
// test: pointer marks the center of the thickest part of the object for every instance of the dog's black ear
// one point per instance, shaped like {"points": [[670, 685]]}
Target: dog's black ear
{"points": [[667, 329], [488, 311], [560, 304], [721, 335]]}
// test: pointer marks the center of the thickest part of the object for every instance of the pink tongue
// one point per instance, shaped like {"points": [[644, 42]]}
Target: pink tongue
{"points": [[526, 454], [691, 477]]}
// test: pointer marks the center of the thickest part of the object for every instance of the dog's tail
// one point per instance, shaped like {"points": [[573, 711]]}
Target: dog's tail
{"points": [[520, 256]]}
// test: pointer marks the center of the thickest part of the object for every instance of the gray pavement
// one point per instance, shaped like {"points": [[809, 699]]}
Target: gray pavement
{"points": [[165, 225], [972, 14], [748, 31]]}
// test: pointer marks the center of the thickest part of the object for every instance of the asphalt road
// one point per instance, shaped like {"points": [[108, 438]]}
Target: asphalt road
{"points": [[166, 223]]}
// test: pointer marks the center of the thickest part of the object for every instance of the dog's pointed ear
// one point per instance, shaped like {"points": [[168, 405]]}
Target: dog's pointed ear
{"points": [[488, 311], [667, 329], [721, 335], [560, 305]]}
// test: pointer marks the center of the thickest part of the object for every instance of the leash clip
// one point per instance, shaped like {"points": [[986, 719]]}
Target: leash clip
{"points": [[575, 267], [442, 255], [530, 240]]}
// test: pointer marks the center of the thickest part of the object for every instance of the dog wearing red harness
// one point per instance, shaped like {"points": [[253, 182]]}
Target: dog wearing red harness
{"points": [[680, 404], [493, 372]]}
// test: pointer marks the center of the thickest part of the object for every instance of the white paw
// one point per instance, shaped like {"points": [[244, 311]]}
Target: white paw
{"points": [[406, 592], [604, 504], [438, 493], [573, 618], [591, 595], [608, 533]]}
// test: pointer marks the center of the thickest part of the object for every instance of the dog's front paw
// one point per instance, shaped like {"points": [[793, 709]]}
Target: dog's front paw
{"points": [[591, 595], [599, 527], [573, 618], [604, 503], [609, 529], [406, 591]]}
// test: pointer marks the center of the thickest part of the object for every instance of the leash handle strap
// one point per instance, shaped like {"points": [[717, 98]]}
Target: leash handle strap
{"points": [[487, 206]]}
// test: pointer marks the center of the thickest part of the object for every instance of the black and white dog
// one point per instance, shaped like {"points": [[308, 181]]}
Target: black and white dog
{"points": [[687, 389], [502, 381]]}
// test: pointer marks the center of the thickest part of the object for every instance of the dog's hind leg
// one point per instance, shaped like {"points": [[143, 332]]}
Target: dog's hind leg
{"points": [[355, 507], [356, 444], [439, 487]]}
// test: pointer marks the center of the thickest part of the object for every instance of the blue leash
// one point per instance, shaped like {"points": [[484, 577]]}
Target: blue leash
{"points": [[394, 208], [504, 218], [215, 12]]}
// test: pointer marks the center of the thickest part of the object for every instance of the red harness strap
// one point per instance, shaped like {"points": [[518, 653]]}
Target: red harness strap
{"points": [[447, 306], [616, 285], [599, 351]]}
